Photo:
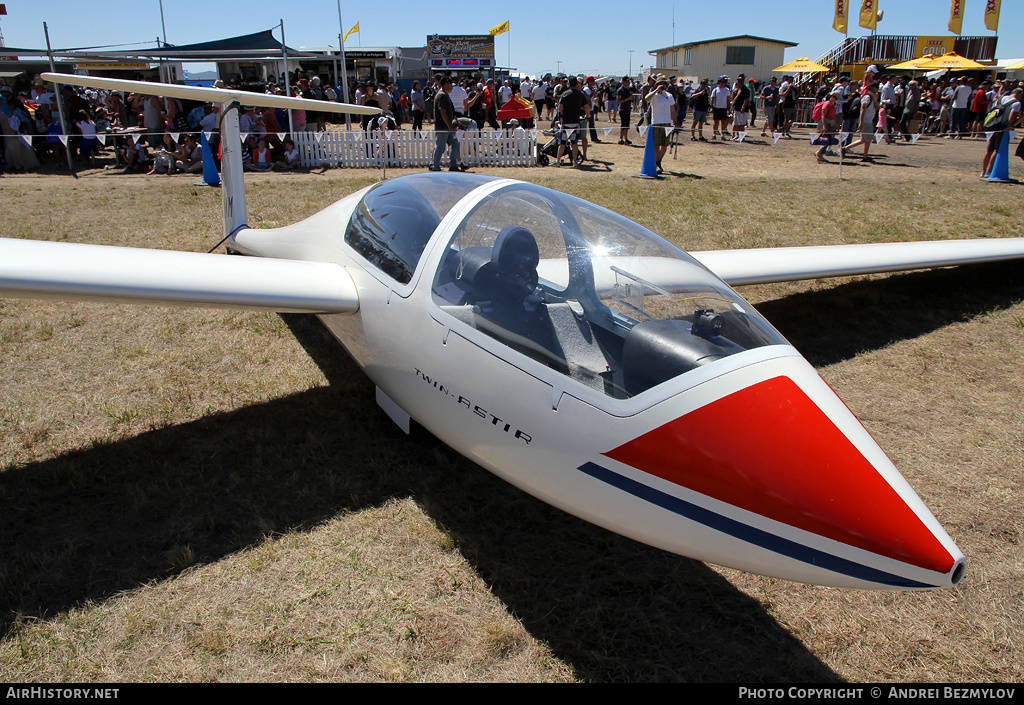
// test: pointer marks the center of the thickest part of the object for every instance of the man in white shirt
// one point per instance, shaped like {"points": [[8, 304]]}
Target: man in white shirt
{"points": [[539, 97], [504, 93], [962, 95], [720, 99], [459, 96], [663, 112]]}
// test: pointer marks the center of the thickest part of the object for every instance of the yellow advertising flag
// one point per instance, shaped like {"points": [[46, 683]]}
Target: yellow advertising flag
{"points": [[500, 29], [351, 31], [956, 16], [869, 14], [839, 23], [992, 14]]}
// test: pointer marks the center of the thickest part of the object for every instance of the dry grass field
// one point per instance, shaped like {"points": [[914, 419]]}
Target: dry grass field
{"points": [[193, 495]]}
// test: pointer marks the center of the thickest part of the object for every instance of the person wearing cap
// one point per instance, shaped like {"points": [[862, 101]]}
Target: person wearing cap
{"points": [[720, 101], [37, 90], [663, 111], [676, 91], [504, 93], [573, 107], [770, 98], [445, 128], [870, 76], [526, 90], [701, 98]]}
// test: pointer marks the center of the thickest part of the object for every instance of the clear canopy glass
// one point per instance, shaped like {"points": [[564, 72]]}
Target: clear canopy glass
{"points": [[589, 293]]}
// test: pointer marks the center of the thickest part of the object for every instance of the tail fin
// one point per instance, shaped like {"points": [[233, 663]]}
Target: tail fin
{"points": [[233, 191], [233, 186]]}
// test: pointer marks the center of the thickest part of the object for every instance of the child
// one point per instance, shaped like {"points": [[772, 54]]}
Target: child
{"points": [[883, 119], [260, 157], [291, 156]]}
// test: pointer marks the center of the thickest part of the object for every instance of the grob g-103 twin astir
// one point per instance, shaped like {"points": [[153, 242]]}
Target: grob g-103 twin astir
{"points": [[570, 351]]}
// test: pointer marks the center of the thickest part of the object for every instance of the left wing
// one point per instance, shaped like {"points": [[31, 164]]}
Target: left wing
{"points": [[783, 264], [73, 272]]}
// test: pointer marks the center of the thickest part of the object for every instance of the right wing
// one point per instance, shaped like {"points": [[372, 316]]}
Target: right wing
{"points": [[782, 264], [32, 269]]}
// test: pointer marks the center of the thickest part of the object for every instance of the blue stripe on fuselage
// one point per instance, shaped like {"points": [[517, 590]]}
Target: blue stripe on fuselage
{"points": [[748, 533]]}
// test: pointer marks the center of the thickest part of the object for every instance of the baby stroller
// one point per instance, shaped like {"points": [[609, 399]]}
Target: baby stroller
{"points": [[550, 149]]}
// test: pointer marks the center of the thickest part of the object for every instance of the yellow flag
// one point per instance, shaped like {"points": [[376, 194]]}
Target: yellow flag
{"points": [[842, 14], [351, 31], [500, 29], [992, 14], [956, 16], [869, 14]]}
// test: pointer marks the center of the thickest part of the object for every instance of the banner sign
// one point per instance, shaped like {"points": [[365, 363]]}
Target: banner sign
{"points": [[869, 14], [956, 16], [461, 46], [992, 14], [839, 23]]}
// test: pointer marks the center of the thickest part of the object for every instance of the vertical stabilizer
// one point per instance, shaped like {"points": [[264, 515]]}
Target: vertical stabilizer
{"points": [[233, 187]]}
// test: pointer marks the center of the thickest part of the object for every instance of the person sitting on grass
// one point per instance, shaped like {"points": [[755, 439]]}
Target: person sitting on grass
{"points": [[290, 158], [260, 160], [134, 154], [163, 160], [189, 157]]}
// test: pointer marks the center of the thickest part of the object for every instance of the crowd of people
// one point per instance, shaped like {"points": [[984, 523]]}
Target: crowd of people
{"points": [[160, 135]]}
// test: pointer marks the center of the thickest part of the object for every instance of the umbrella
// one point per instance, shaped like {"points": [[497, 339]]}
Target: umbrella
{"points": [[802, 65], [951, 61], [913, 64]]}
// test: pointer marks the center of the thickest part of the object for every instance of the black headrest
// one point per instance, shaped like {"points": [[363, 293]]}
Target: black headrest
{"points": [[516, 254]]}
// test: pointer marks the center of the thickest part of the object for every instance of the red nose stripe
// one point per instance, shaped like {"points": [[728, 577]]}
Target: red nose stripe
{"points": [[770, 450]]}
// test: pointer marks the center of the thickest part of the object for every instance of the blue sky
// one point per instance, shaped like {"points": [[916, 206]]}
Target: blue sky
{"points": [[591, 37]]}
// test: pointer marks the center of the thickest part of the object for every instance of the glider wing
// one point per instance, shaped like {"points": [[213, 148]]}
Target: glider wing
{"points": [[74, 272], [764, 266]]}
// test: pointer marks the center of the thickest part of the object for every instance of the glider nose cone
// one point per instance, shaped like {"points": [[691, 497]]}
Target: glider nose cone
{"points": [[809, 483]]}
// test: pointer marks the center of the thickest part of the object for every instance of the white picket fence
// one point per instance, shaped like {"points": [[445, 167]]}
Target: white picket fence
{"points": [[409, 148]]}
